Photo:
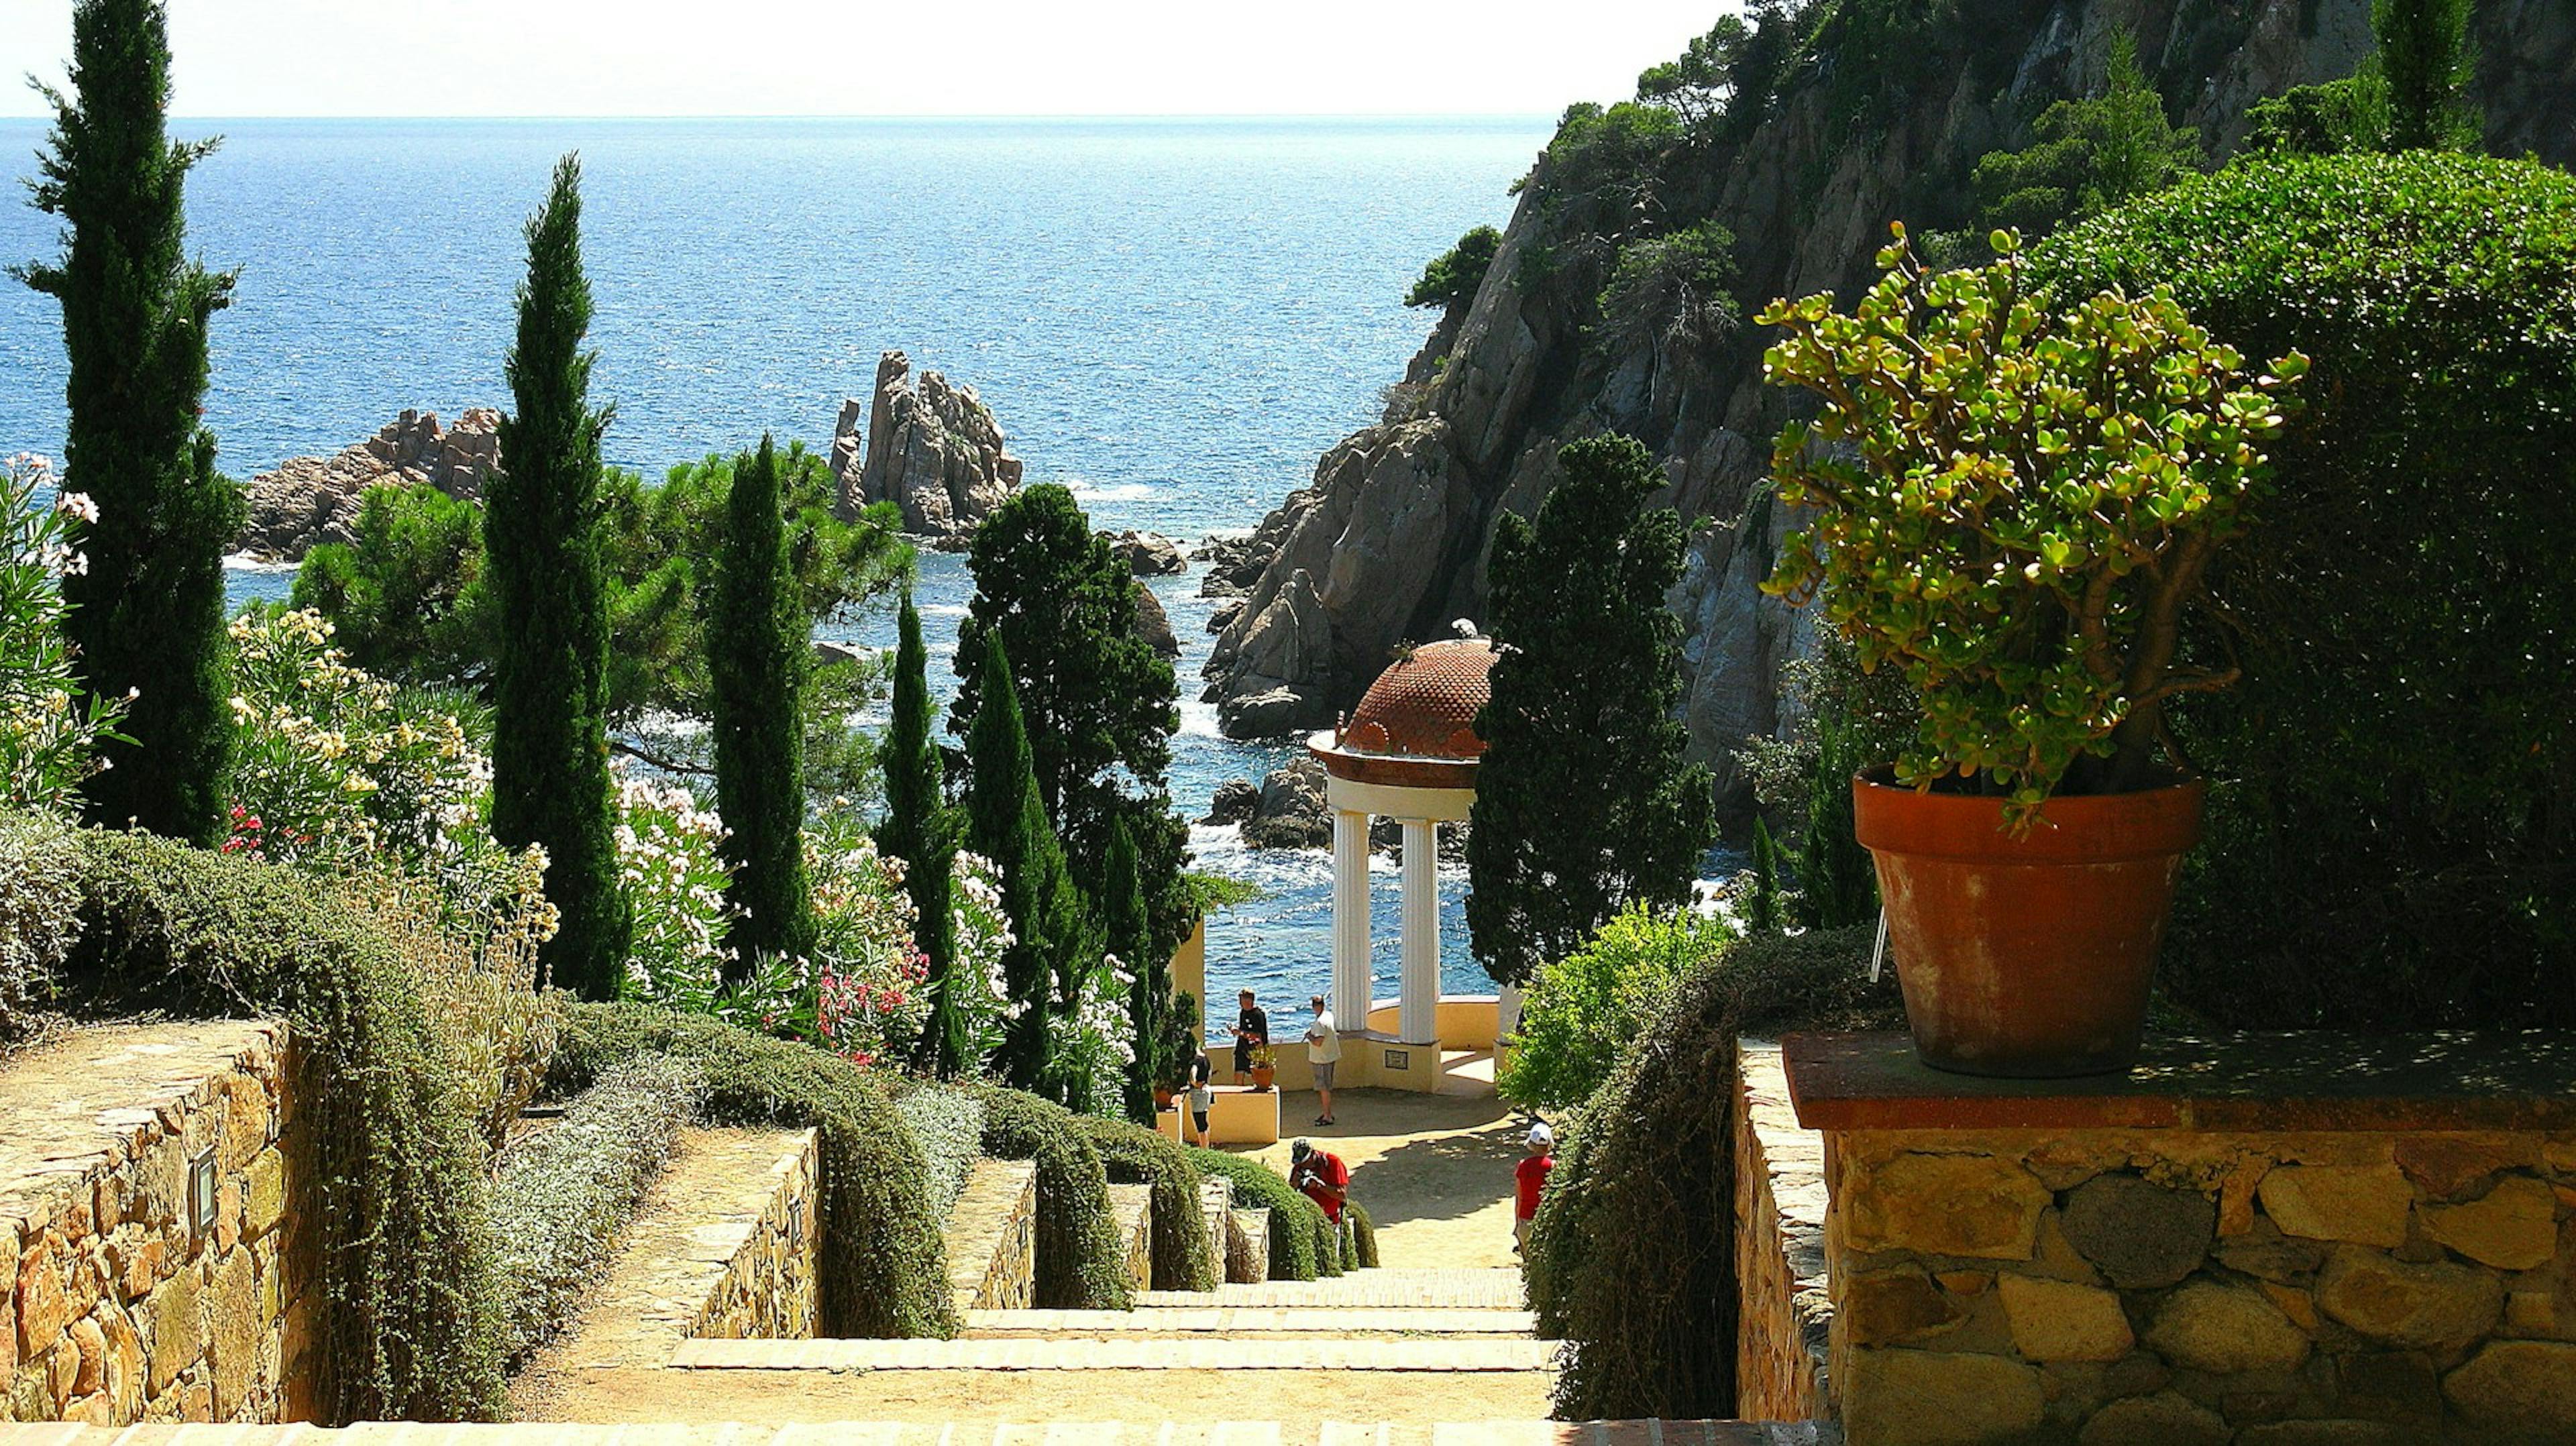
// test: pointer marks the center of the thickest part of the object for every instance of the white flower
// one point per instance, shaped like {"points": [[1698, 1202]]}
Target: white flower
{"points": [[77, 504]]}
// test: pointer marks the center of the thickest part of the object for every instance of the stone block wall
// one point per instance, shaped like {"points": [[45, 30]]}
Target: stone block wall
{"points": [[149, 1268], [1783, 1307], [1216, 1203], [769, 1285], [1247, 1246], [992, 1238], [2257, 1239], [1132, 1206]]}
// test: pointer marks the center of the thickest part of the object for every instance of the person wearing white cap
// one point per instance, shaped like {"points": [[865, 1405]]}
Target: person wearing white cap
{"points": [[1528, 1179]]}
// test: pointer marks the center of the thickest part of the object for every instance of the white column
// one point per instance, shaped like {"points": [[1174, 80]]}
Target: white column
{"points": [[1350, 994], [1418, 1018], [1507, 1013]]}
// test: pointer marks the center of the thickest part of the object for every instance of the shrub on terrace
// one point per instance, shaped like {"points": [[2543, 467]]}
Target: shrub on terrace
{"points": [[1082, 1264], [414, 1328], [40, 898], [1363, 1237], [885, 1271], [1135, 1155], [1293, 1218], [2390, 844], [1629, 1262], [1583, 1009], [562, 1195], [948, 1125]]}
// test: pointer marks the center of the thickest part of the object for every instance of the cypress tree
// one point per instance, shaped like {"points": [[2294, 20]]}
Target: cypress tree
{"points": [[2424, 54], [1129, 935], [757, 654], [1583, 801], [550, 779], [1006, 821], [919, 829], [1100, 703], [148, 616]]}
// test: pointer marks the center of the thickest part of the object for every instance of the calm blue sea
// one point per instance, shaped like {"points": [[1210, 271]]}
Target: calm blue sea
{"points": [[1175, 318]]}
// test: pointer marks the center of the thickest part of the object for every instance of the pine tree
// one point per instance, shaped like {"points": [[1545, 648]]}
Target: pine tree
{"points": [[148, 615], [1052, 952], [1583, 800], [1129, 935], [920, 829], [1101, 704], [550, 779], [757, 654], [2424, 55]]}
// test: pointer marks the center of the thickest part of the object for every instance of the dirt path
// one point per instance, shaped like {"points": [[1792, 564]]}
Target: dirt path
{"points": [[1434, 1171]]}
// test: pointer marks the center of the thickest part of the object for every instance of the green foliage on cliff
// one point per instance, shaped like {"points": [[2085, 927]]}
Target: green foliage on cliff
{"points": [[1671, 290], [1453, 275], [757, 652], [884, 1269], [2087, 155], [1628, 1261], [147, 614], [922, 830], [550, 784], [1583, 802], [2390, 845]]}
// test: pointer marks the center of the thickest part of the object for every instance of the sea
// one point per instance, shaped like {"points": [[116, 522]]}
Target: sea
{"points": [[1174, 318]]}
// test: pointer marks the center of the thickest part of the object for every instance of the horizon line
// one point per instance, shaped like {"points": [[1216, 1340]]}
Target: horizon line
{"points": [[937, 116]]}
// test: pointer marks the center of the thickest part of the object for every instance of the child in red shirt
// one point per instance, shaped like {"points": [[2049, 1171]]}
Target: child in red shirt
{"points": [[1529, 1177]]}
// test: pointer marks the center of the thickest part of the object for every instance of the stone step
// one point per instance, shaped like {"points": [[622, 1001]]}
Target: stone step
{"points": [[1464, 1356], [1383, 1289], [905, 1433], [1251, 1320]]}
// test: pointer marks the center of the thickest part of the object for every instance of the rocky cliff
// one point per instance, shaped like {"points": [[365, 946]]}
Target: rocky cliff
{"points": [[308, 501], [1389, 541], [932, 449]]}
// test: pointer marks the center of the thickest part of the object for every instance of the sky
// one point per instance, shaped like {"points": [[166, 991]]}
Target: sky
{"points": [[867, 57]]}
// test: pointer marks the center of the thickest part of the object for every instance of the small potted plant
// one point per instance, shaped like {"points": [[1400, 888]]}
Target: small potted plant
{"points": [[2016, 507], [1265, 1067]]}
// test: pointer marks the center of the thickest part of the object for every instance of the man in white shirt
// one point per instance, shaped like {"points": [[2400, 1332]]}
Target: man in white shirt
{"points": [[1323, 1051]]}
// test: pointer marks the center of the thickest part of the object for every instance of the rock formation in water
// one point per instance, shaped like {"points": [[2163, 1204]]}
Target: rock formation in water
{"points": [[932, 449], [308, 501], [1147, 554], [1153, 625], [1389, 541]]}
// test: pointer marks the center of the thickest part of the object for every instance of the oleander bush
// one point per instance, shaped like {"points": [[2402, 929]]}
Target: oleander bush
{"points": [[414, 1326], [885, 1267], [562, 1195], [1630, 1260], [2390, 842], [1082, 1264], [40, 898], [1293, 1218], [1135, 1155], [948, 1125]]}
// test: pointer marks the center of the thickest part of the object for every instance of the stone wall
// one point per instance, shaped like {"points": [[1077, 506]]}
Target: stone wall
{"points": [[2126, 1265], [1247, 1246], [149, 1271], [1132, 1207], [769, 1285], [992, 1238], [1783, 1309]]}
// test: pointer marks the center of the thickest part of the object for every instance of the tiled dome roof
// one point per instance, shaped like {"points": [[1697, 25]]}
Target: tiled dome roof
{"points": [[1425, 704]]}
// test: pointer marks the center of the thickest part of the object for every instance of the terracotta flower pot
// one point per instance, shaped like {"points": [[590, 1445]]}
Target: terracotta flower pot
{"points": [[2026, 957], [1163, 1097]]}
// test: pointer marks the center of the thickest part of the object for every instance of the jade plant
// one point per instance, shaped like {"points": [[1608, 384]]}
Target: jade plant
{"points": [[2016, 506]]}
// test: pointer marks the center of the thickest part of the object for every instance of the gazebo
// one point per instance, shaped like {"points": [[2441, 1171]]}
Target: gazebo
{"points": [[1407, 752]]}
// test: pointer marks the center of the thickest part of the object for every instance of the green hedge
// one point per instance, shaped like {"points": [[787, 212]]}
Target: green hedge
{"points": [[40, 899], [562, 1195], [885, 1267], [1629, 1261], [413, 1327], [1134, 1155], [1082, 1264], [2390, 842], [1296, 1223], [948, 1125]]}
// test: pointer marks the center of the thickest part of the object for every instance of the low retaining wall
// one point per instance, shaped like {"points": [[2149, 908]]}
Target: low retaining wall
{"points": [[992, 1238], [769, 1285], [2274, 1237], [1247, 1246], [1132, 1207], [149, 1272], [1784, 1310]]}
